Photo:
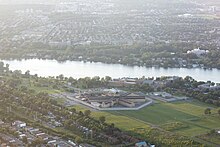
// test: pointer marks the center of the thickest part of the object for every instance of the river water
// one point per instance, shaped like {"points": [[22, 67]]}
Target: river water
{"points": [[79, 69]]}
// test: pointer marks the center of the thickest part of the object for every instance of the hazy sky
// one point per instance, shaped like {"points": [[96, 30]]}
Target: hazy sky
{"points": [[26, 1]]}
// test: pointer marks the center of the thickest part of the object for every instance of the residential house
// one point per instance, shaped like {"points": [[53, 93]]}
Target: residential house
{"points": [[141, 144], [19, 124]]}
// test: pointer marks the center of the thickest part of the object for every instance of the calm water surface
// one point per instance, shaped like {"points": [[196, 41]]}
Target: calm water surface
{"points": [[78, 69]]}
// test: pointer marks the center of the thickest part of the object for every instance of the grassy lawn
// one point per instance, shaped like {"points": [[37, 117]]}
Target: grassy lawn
{"points": [[49, 90], [193, 108], [191, 114], [120, 121], [60, 101], [158, 114], [197, 126], [30, 84], [123, 122], [188, 113]]}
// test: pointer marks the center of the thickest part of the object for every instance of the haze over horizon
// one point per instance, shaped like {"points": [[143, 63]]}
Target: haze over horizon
{"points": [[95, 73]]}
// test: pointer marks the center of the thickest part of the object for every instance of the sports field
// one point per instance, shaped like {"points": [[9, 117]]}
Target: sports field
{"points": [[123, 122], [191, 114], [184, 118]]}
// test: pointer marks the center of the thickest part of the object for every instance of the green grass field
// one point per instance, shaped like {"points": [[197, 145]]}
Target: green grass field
{"points": [[121, 121], [30, 84], [158, 114], [191, 114]]}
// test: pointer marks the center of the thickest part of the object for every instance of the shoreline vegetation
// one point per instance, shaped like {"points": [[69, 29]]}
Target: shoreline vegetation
{"points": [[104, 62], [129, 56]]}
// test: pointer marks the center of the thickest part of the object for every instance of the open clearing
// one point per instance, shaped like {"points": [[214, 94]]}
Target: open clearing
{"points": [[191, 114], [121, 121]]}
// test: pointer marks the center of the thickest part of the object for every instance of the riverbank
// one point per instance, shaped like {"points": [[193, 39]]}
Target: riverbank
{"points": [[80, 69], [160, 61]]}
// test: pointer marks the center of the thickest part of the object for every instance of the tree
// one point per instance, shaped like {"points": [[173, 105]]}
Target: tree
{"points": [[1, 66], [81, 113], [102, 119], [107, 78], [36, 77], [24, 88], [78, 140], [61, 77], [27, 73], [37, 142], [112, 125], [207, 111], [73, 110], [25, 140], [67, 124], [7, 67], [17, 73], [212, 131], [87, 112], [70, 79]]}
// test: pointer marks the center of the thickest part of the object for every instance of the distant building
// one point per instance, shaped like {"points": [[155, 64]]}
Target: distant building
{"points": [[141, 144], [107, 100], [1, 122], [186, 15], [96, 104], [134, 97], [106, 104], [208, 86], [19, 124], [148, 82], [43, 136], [163, 94], [198, 52], [86, 145], [72, 143], [22, 136], [126, 103], [124, 82]]}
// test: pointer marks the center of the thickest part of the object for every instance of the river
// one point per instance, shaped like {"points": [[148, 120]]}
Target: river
{"points": [[79, 69]]}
